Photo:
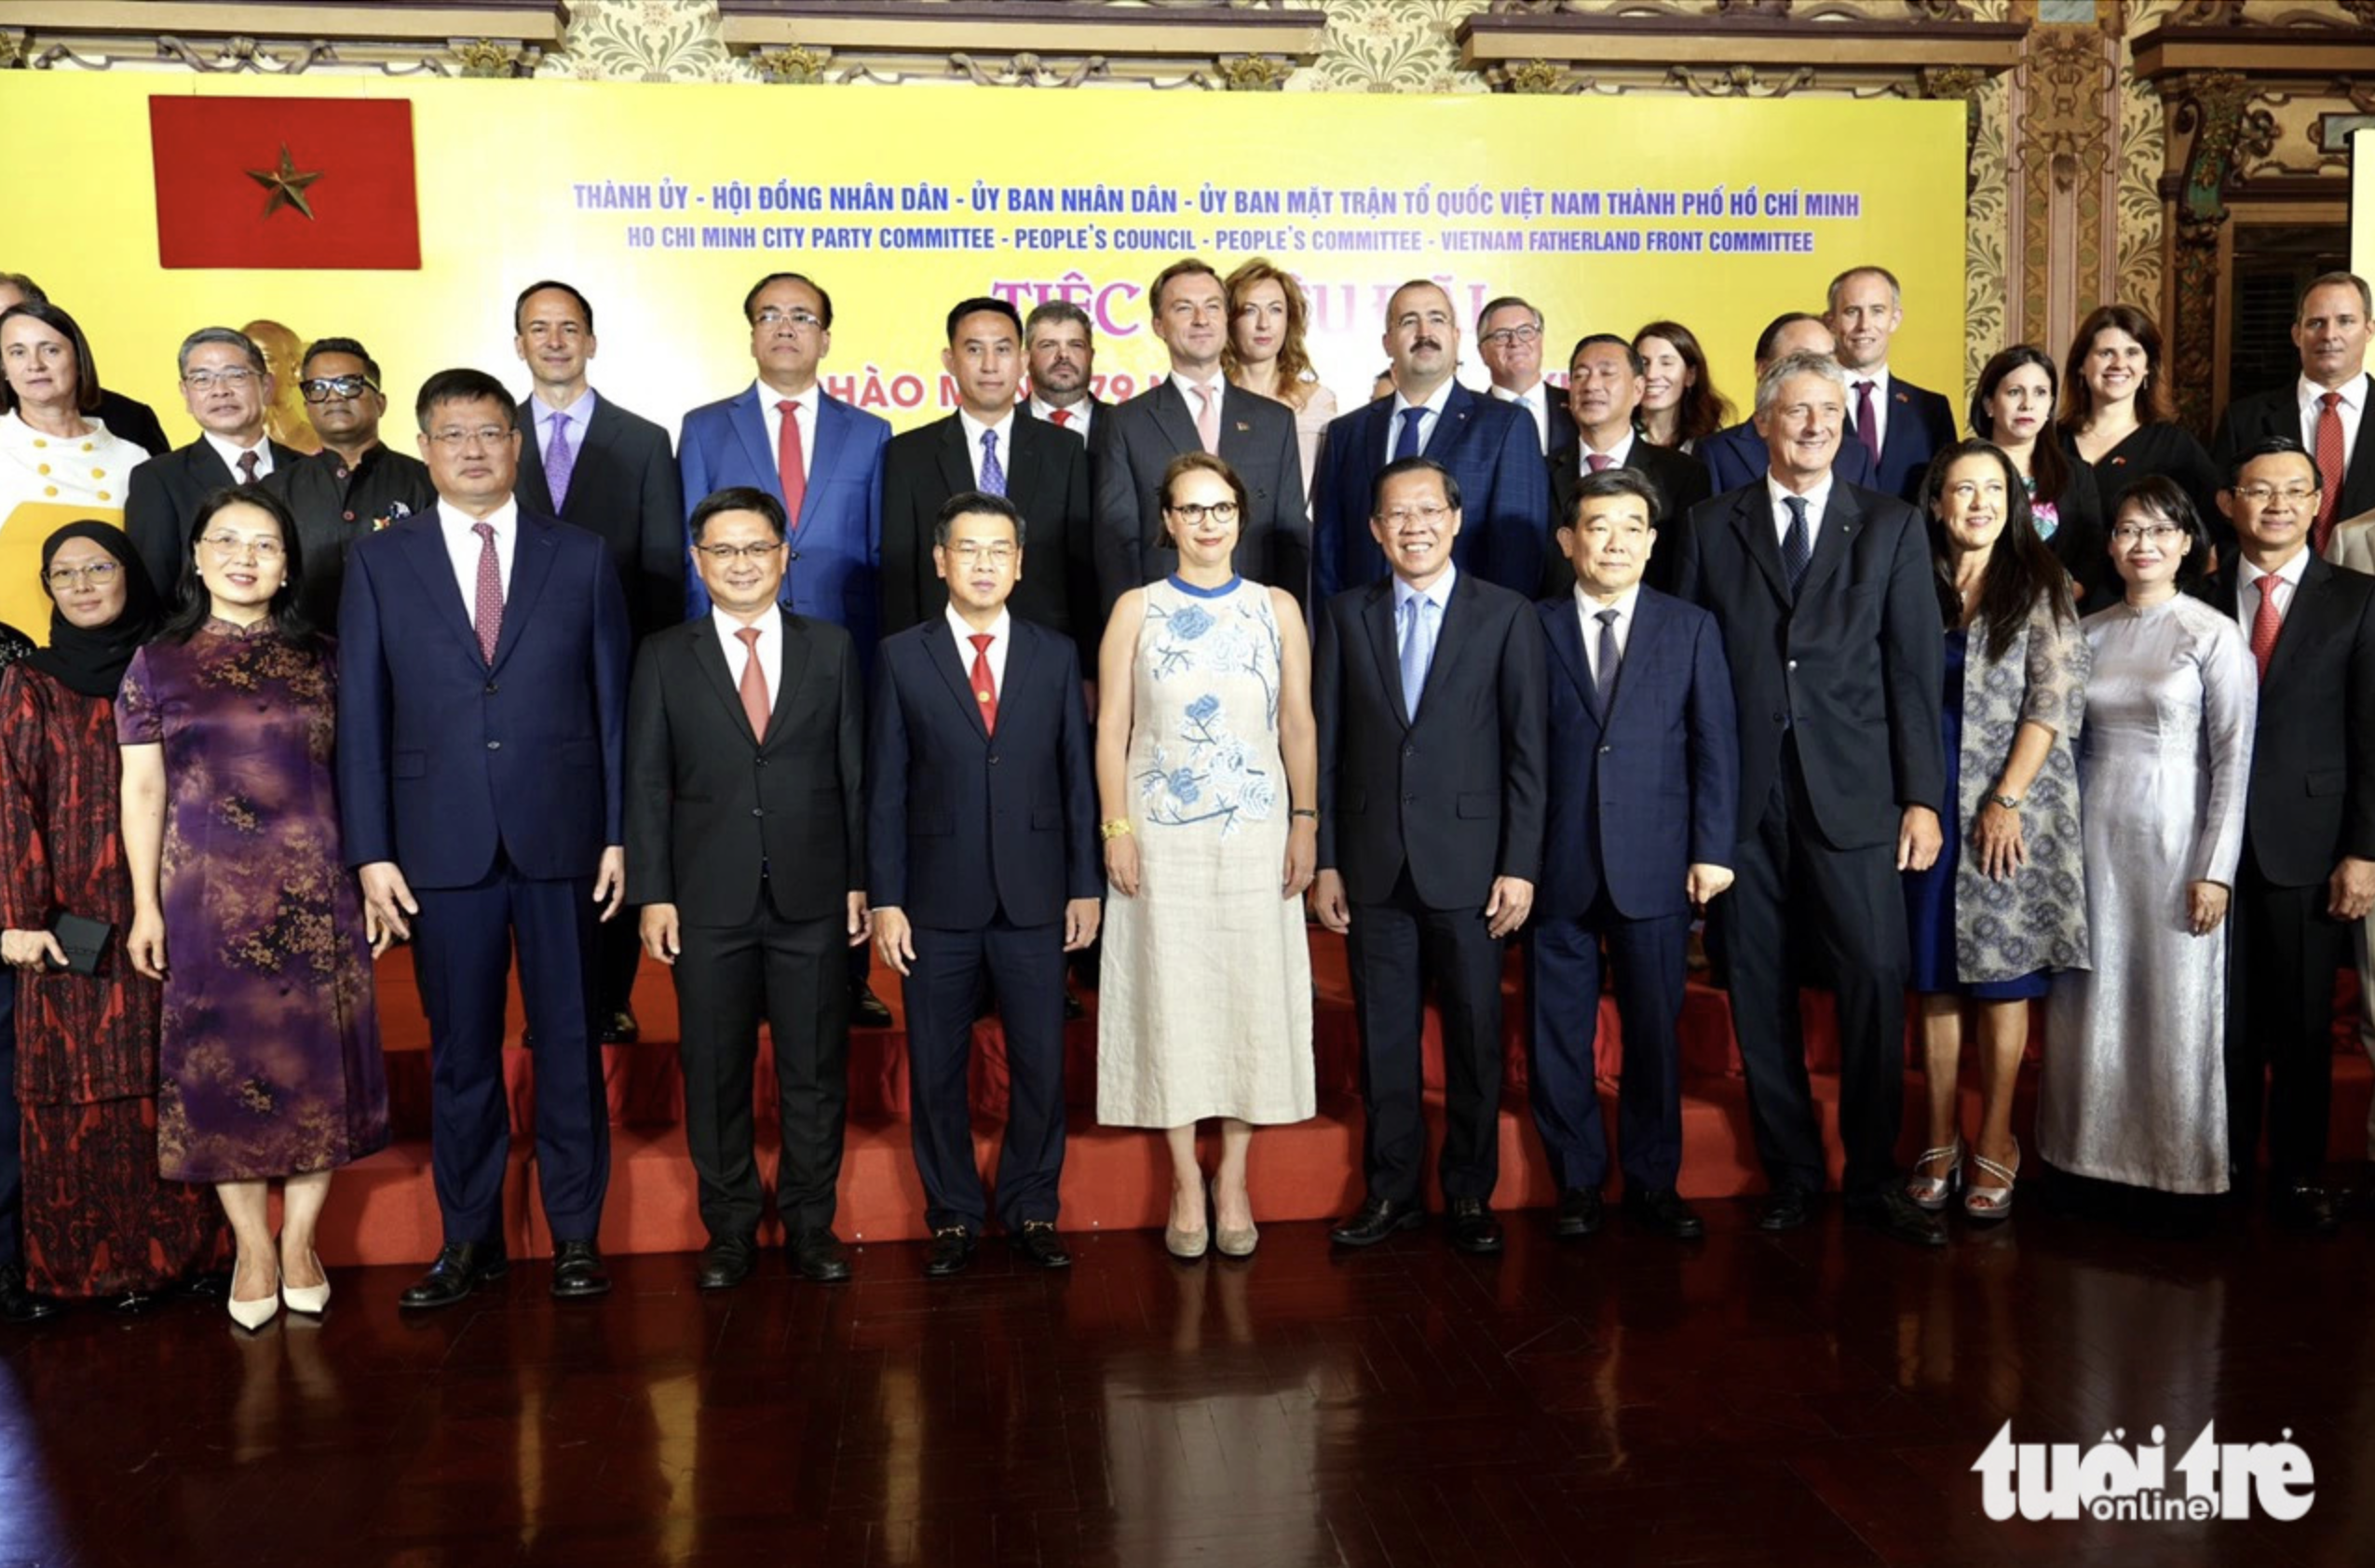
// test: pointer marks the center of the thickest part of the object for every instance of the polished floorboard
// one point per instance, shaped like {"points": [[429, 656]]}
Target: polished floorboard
{"points": [[1815, 1398]]}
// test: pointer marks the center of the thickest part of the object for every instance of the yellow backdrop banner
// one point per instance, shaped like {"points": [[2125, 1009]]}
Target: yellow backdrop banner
{"points": [[664, 203]]}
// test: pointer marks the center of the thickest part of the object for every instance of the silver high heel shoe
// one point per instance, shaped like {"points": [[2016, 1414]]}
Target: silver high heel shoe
{"points": [[1933, 1193], [1232, 1243], [1188, 1244]]}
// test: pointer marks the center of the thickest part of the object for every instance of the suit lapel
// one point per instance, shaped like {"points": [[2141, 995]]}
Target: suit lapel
{"points": [[534, 491], [1643, 646], [531, 556], [424, 547], [1026, 460], [1236, 429], [750, 427], [790, 672], [955, 463], [1565, 634], [1451, 428], [1751, 519], [1841, 520], [2358, 474], [2299, 627], [1451, 640], [1377, 615], [832, 433], [1170, 408], [208, 467], [1021, 646], [2225, 589], [709, 657], [940, 648]]}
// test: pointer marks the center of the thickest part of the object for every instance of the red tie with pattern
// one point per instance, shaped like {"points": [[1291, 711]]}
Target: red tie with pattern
{"points": [[2266, 624], [984, 692], [2330, 467], [754, 687], [488, 611], [1061, 417], [789, 467]]}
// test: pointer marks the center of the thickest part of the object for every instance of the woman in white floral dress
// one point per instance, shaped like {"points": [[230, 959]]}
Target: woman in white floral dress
{"points": [[1207, 772]]}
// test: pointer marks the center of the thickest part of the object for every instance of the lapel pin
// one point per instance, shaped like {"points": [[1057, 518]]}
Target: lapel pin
{"points": [[1243, 426]]}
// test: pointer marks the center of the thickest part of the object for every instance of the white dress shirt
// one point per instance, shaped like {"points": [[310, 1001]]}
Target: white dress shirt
{"points": [[770, 650], [229, 451], [1076, 418], [580, 415], [1816, 499], [804, 408], [1434, 407], [2250, 584], [2351, 410], [459, 530], [1534, 403], [1587, 612], [1001, 636], [1879, 377], [973, 431], [1616, 454]]}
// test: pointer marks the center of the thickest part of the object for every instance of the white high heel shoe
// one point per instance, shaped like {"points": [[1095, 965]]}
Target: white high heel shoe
{"points": [[252, 1314], [311, 1299]]}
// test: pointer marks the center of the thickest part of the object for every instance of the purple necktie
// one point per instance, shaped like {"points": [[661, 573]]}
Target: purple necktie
{"points": [[559, 460], [1867, 429], [993, 475], [1598, 460], [487, 613]]}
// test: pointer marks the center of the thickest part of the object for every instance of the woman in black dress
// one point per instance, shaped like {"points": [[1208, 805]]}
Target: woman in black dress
{"points": [[2119, 419]]}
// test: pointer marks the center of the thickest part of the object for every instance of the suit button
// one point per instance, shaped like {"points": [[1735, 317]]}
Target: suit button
{"points": [[759, 759], [490, 688], [993, 759], [758, 811], [1793, 664], [1605, 749], [1410, 751], [494, 746], [1780, 717], [1410, 800]]}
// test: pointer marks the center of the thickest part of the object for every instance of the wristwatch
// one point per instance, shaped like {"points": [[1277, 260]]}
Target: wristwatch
{"points": [[2010, 803]]}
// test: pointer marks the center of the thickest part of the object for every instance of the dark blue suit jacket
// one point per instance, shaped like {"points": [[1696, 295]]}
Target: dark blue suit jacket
{"points": [[836, 540], [963, 824], [1738, 456], [1639, 794], [443, 759], [1491, 450], [1919, 424]]}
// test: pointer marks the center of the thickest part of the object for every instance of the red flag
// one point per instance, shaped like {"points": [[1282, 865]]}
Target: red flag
{"points": [[237, 178]]}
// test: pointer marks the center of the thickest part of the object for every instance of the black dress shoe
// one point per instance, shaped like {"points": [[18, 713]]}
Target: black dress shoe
{"points": [[205, 1284], [578, 1274], [461, 1267], [1073, 1010], [621, 1028], [952, 1253], [868, 1010], [1376, 1220], [1579, 1213], [819, 1256], [1786, 1209], [18, 1304], [1899, 1217], [2306, 1210], [1473, 1229], [1037, 1244], [725, 1263], [1661, 1211]]}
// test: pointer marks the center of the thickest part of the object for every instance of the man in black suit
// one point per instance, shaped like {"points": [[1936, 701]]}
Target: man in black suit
{"points": [[1735, 455], [982, 831], [987, 446], [1830, 625], [1061, 347], [1899, 425], [1192, 410], [1603, 390], [2308, 866], [746, 839], [589, 462], [2324, 410], [355, 485], [1428, 688], [128, 417], [227, 390], [1509, 339]]}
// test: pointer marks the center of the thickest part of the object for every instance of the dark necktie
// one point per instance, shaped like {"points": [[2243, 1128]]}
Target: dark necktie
{"points": [[1797, 545], [1867, 429], [1604, 678], [1407, 444], [247, 467], [488, 610]]}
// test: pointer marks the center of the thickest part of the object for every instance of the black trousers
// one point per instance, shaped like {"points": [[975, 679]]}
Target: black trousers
{"points": [[1025, 967], [2280, 1019], [1563, 967], [619, 956], [1394, 948], [793, 974], [1795, 899]]}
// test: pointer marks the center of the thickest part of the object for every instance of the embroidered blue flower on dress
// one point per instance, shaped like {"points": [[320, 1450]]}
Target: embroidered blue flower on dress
{"points": [[1184, 788], [1203, 708], [1191, 622]]}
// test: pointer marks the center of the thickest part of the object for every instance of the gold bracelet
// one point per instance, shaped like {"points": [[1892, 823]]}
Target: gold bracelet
{"points": [[1115, 828]]}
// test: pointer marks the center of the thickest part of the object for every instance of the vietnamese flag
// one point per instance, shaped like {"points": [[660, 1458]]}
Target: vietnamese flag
{"points": [[237, 176]]}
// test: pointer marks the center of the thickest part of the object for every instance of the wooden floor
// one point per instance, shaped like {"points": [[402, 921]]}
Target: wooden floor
{"points": [[1814, 1399]]}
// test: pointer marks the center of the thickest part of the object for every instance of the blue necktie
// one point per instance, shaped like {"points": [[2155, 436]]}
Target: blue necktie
{"points": [[1604, 678], [1407, 444], [993, 477], [1798, 547], [1418, 650]]}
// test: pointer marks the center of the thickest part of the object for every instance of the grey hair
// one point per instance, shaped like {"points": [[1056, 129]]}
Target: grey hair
{"points": [[238, 340], [1769, 386]]}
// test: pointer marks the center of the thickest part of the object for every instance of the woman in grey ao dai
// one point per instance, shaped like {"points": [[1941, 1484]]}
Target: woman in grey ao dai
{"points": [[1207, 772], [2134, 1083]]}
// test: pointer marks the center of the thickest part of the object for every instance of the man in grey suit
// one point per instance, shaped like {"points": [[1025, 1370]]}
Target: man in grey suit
{"points": [[1195, 410]]}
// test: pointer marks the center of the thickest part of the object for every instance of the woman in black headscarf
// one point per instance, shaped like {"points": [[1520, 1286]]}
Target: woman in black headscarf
{"points": [[98, 1222]]}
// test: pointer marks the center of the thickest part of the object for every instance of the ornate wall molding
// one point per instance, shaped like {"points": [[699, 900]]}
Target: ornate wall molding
{"points": [[279, 37]]}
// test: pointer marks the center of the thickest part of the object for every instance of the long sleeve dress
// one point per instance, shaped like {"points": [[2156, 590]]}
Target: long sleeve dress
{"points": [[2135, 1079]]}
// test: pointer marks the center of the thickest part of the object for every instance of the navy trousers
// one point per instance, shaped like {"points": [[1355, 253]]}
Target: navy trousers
{"points": [[1563, 968]]}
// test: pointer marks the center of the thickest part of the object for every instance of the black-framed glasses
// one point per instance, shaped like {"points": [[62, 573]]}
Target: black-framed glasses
{"points": [[324, 388], [1193, 514], [726, 555]]}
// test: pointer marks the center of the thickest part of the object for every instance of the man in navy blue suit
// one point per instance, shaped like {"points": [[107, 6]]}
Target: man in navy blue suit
{"points": [[984, 864], [1899, 425], [822, 460], [482, 701], [1489, 448], [1643, 795], [1735, 456]]}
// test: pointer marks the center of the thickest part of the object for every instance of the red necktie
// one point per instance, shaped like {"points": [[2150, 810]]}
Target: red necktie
{"points": [[1867, 429], [2266, 624], [984, 692], [488, 611], [1599, 461], [754, 687], [2330, 467], [1060, 417], [788, 464]]}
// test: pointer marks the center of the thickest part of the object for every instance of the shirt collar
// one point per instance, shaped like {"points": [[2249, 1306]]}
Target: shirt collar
{"points": [[1186, 384], [973, 428], [504, 520], [1615, 455], [1816, 498], [2289, 573], [1439, 592], [1877, 376], [580, 413], [1622, 606], [2354, 392], [1532, 397], [1000, 628], [229, 450], [770, 623], [768, 396], [1434, 403]]}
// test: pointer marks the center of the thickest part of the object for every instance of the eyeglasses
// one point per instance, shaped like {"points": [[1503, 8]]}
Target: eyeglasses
{"points": [[726, 555], [230, 546], [771, 317], [98, 573], [2260, 494], [324, 388], [2159, 532], [234, 378], [1504, 336], [454, 439], [970, 551], [1414, 517], [1193, 514]]}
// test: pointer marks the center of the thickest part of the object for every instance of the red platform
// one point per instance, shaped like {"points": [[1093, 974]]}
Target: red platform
{"points": [[383, 1210]]}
